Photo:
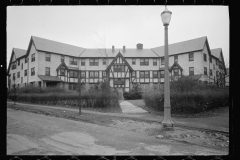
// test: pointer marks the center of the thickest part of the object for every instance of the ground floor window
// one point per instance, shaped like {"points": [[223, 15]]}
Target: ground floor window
{"points": [[145, 86], [72, 86]]}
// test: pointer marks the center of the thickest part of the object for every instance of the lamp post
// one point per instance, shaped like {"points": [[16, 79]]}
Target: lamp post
{"points": [[167, 121]]}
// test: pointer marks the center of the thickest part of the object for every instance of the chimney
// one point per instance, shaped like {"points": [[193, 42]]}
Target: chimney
{"points": [[124, 49], [139, 46], [112, 48]]}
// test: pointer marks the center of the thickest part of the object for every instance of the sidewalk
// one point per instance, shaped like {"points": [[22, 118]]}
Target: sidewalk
{"points": [[209, 123]]}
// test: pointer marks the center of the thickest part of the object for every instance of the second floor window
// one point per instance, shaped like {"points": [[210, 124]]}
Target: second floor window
{"points": [[162, 61], [22, 66], [83, 62], [48, 57], [26, 59], [73, 61], [104, 61], [73, 74], [213, 66], [205, 57], [33, 57], [13, 66], [93, 62], [176, 58], [205, 71], [144, 74], [161, 74], [18, 74], [210, 59], [19, 62], [154, 61], [25, 72], [176, 72], [118, 68], [155, 74], [134, 74], [104, 74], [62, 72], [93, 74], [14, 76], [191, 57], [32, 71], [133, 61], [210, 72], [144, 62], [191, 70], [83, 74], [47, 71]]}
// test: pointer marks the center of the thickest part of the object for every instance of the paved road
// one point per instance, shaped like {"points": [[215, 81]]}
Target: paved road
{"points": [[31, 134]]}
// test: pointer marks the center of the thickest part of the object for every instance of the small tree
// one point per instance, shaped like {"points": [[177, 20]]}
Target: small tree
{"points": [[80, 88]]}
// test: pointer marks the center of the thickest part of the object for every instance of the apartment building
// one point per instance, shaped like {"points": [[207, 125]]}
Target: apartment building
{"points": [[48, 63]]}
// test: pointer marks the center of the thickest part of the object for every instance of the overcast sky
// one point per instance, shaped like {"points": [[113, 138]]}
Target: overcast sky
{"points": [[120, 25]]}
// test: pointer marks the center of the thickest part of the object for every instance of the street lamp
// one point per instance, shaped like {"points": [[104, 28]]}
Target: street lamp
{"points": [[167, 121]]}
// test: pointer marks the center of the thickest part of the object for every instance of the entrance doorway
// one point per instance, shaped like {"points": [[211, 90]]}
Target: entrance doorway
{"points": [[51, 84]]}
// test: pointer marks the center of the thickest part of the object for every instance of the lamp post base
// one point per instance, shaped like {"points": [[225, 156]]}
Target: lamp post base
{"points": [[167, 121]]}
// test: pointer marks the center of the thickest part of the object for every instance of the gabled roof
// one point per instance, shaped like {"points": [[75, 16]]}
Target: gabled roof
{"points": [[175, 64], [216, 52], [18, 53], [119, 55], [62, 65], [50, 78], [182, 47], [42, 44]]}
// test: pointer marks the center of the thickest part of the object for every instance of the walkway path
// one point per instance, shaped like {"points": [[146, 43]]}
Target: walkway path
{"points": [[130, 108]]}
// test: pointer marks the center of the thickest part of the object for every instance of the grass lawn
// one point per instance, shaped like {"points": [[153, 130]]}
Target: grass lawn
{"points": [[220, 112]]}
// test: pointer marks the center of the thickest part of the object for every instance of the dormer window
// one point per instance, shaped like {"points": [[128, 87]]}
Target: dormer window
{"points": [[48, 57], [33, 57], [73, 61]]}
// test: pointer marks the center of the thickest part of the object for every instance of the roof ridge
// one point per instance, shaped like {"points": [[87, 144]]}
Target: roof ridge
{"points": [[56, 41]]}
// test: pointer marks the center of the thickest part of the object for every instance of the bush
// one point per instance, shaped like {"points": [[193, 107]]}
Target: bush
{"points": [[134, 93], [188, 97], [104, 98]]}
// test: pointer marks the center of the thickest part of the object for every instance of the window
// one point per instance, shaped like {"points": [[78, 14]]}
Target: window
{"points": [[21, 79], [13, 66], [144, 74], [155, 74], [205, 71], [18, 74], [144, 86], [134, 74], [93, 74], [161, 74], [176, 72], [104, 61], [73, 74], [176, 58], [83, 74], [83, 61], [62, 72], [191, 56], [73, 61], [22, 66], [18, 62], [25, 72], [119, 81], [133, 61], [47, 71], [118, 68], [216, 62], [217, 73], [191, 70], [213, 66], [210, 72], [154, 61], [62, 58], [32, 71], [26, 59], [93, 62], [162, 61], [48, 57], [144, 62], [104, 74], [72, 86], [210, 59], [205, 57], [33, 57], [14, 76]]}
